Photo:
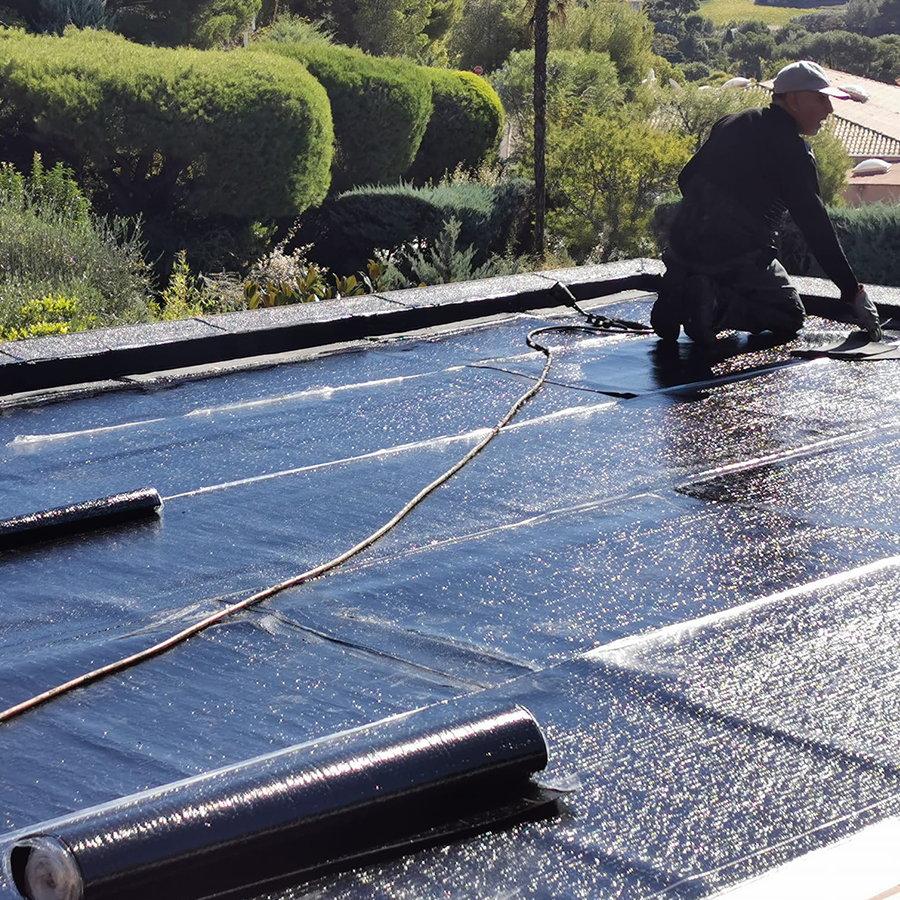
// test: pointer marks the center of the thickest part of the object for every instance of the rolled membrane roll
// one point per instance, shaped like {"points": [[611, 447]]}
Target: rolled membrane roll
{"points": [[65, 520], [285, 813]]}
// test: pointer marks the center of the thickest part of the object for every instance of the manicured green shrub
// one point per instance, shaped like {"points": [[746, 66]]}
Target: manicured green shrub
{"points": [[207, 134], [464, 129], [380, 109], [348, 229]]}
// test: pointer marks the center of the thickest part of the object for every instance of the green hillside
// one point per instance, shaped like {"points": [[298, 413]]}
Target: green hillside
{"points": [[721, 12]]}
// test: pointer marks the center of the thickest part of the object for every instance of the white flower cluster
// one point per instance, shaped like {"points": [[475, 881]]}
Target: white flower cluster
{"points": [[278, 267]]}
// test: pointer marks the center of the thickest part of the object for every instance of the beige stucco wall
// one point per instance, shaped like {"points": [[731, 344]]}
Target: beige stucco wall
{"points": [[861, 194]]}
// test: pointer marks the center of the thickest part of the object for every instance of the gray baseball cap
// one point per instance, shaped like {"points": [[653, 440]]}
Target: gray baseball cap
{"points": [[806, 76]]}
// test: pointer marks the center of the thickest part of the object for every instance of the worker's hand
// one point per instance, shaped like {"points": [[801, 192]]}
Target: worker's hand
{"points": [[866, 314]]}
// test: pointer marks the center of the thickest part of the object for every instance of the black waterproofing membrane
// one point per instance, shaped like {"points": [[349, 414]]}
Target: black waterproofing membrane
{"points": [[286, 812], [102, 512], [686, 568]]}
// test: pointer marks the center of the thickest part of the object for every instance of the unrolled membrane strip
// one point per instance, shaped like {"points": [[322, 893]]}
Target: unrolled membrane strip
{"points": [[65, 520], [285, 813]]}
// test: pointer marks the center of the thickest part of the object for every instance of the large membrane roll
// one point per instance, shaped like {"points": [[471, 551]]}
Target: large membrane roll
{"points": [[286, 813], [65, 520]]}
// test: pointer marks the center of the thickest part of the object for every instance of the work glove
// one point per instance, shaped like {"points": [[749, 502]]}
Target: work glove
{"points": [[866, 314]]}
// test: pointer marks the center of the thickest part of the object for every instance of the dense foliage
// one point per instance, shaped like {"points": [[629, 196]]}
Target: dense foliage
{"points": [[577, 80], [859, 37], [62, 266], [487, 33], [414, 28], [380, 108], [350, 228], [171, 134], [876, 58], [200, 23], [693, 112], [464, 129], [605, 203], [608, 26], [869, 236]]}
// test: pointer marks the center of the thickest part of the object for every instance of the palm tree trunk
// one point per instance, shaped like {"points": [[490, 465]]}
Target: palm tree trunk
{"points": [[541, 19]]}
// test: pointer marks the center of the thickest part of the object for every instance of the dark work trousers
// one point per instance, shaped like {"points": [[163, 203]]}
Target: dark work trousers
{"points": [[751, 294], [758, 298]]}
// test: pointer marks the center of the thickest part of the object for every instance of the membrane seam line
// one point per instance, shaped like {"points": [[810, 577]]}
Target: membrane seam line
{"points": [[181, 636]]}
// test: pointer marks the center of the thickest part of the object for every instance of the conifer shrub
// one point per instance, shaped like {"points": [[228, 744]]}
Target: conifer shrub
{"points": [[444, 260], [380, 108], [464, 129], [350, 228], [171, 132], [56, 15]]}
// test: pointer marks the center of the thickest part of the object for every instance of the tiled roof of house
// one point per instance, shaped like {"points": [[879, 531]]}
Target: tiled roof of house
{"points": [[881, 112], [863, 143]]}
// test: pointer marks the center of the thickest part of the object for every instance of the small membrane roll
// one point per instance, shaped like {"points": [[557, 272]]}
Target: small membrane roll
{"points": [[65, 520], [288, 813]]}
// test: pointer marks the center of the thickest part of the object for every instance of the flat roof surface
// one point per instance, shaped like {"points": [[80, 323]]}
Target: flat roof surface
{"points": [[686, 569]]}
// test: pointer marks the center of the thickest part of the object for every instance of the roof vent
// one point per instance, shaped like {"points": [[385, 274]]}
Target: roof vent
{"points": [[855, 92], [871, 167]]}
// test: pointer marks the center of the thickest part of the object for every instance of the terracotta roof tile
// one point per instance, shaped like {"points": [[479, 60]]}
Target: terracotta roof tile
{"points": [[864, 143]]}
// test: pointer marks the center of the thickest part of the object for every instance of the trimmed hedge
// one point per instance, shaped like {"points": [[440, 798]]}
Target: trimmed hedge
{"points": [[869, 235], [348, 229], [380, 108], [243, 136], [464, 129]]}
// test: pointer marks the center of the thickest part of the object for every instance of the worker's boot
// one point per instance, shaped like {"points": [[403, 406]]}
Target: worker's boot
{"points": [[667, 314]]}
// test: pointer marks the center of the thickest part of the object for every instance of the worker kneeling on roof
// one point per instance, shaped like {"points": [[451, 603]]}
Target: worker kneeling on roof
{"points": [[721, 270]]}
